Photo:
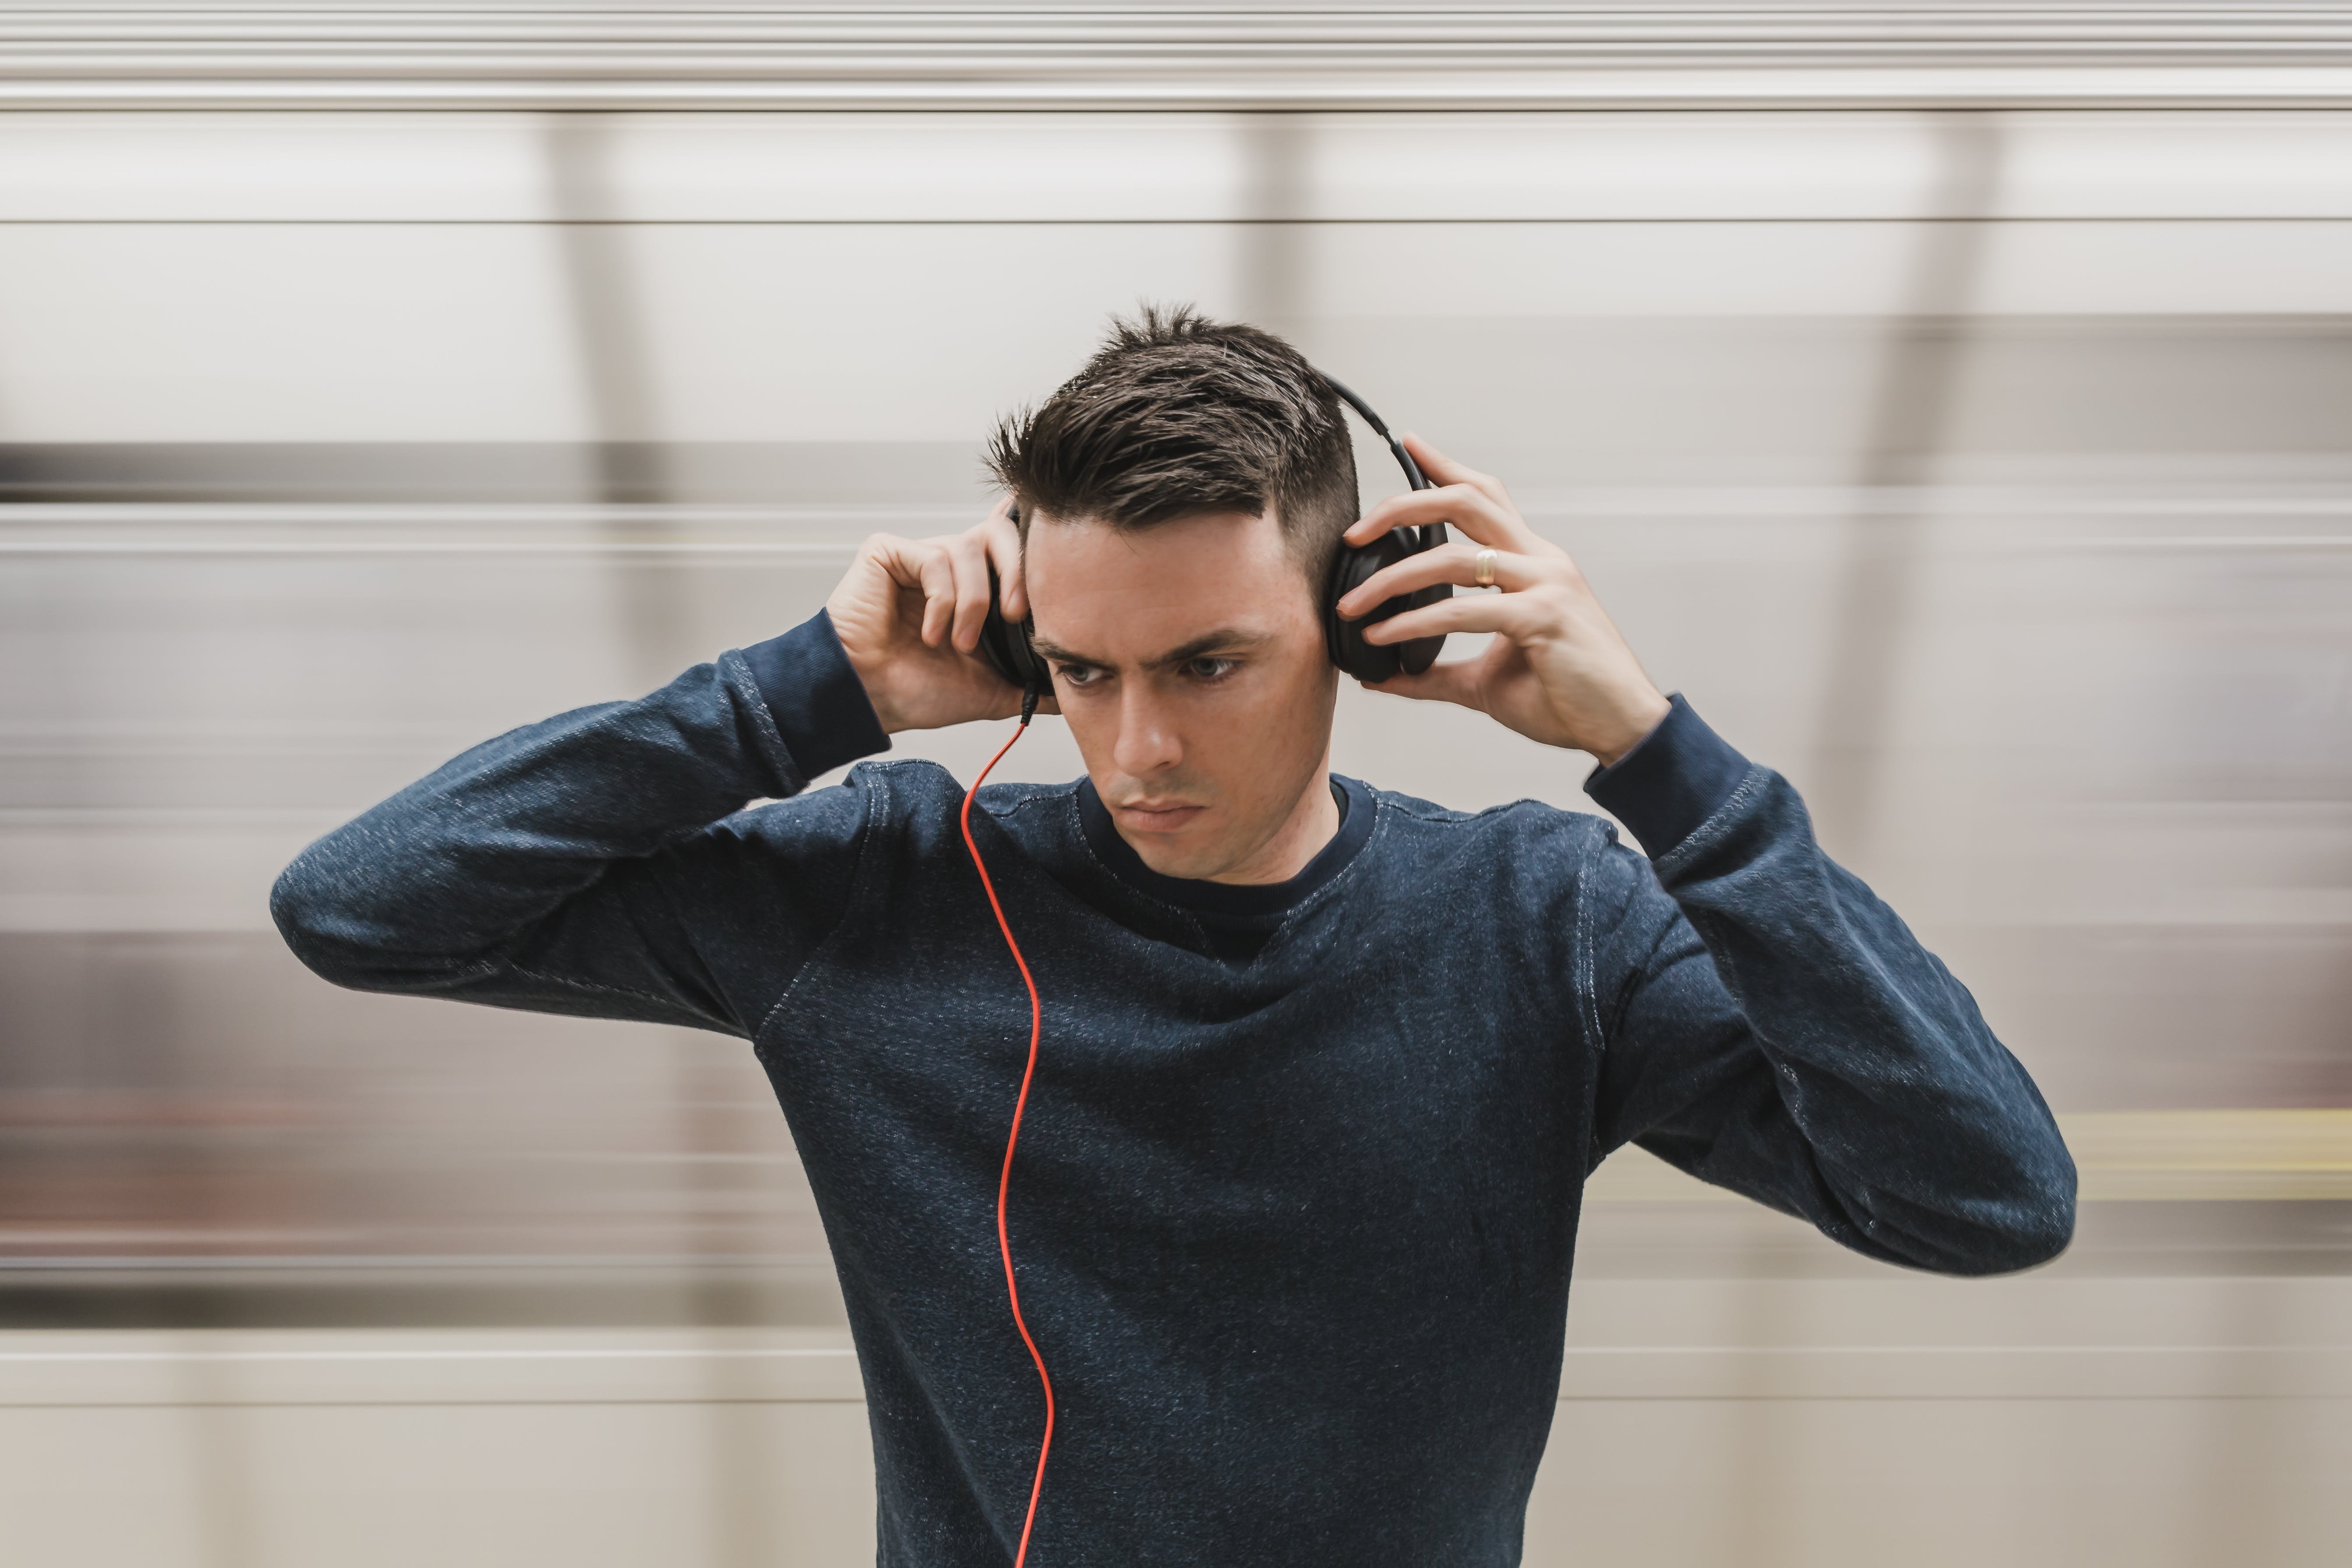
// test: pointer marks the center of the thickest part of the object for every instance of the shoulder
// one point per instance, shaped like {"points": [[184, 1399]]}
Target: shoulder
{"points": [[882, 811], [909, 786], [916, 806], [1529, 851], [1528, 822], [811, 825]]}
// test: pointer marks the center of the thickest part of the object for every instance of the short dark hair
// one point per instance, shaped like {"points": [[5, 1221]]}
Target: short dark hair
{"points": [[1178, 415]]}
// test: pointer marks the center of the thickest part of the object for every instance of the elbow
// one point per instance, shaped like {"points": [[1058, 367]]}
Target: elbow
{"points": [[2026, 1222], [2040, 1199], [298, 907], [2030, 1237], [1999, 1216], [316, 926], [353, 926], [2048, 1226]]}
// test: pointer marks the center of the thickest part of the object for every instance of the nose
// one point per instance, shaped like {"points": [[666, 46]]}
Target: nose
{"points": [[1148, 743]]}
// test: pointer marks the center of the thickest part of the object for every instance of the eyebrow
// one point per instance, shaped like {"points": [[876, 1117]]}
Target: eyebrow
{"points": [[1224, 640]]}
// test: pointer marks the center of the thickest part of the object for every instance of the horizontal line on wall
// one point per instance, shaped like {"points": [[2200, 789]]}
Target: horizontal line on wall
{"points": [[713, 1401], [585, 549], [307, 1265], [357, 1355], [717, 551], [1590, 88], [829, 1375], [1902, 219]]}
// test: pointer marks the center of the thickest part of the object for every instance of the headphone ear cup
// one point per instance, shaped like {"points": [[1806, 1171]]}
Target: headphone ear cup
{"points": [[1345, 638], [1006, 646], [1351, 569], [1422, 652]]}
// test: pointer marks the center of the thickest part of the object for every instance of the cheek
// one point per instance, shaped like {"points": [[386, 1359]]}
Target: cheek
{"points": [[1286, 716], [1087, 714], [1307, 690]]}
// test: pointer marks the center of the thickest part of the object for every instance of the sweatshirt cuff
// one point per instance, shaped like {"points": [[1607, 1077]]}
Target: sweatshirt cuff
{"points": [[1672, 780], [819, 706]]}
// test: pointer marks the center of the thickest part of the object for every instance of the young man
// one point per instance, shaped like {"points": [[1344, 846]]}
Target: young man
{"points": [[1324, 1069]]}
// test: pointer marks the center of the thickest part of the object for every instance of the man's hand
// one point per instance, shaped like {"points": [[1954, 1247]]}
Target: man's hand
{"points": [[908, 614], [1557, 670]]}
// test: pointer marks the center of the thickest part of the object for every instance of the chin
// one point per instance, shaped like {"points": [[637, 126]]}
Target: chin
{"points": [[1193, 862]]}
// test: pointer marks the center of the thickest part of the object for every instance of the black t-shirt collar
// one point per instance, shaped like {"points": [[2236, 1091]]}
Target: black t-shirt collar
{"points": [[1230, 898]]}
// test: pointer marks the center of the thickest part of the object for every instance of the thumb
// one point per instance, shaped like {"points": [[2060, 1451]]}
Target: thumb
{"points": [[1454, 682]]}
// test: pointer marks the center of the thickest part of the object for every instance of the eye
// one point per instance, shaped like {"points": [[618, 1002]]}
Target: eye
{"points": [[1211, 670], [1076, 674]]}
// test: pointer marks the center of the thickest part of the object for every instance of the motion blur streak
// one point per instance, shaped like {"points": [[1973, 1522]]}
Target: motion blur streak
{"points": [[1956, 401]]}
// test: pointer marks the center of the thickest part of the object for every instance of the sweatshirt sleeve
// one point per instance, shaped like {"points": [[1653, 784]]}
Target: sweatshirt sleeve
{"points": [[588, 864], [1771, 1026]]}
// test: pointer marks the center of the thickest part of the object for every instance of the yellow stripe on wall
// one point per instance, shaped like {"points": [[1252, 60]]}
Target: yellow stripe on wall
{"points": [[2176, 1156]]}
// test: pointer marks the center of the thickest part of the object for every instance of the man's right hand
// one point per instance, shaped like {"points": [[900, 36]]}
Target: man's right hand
{"points": [[908, 615]]}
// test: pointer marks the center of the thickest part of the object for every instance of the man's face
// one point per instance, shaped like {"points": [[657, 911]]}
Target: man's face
{"points": [[1188, 660]]}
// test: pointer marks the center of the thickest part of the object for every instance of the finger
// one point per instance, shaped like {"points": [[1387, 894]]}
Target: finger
{"points": [[1444, 470], [911, 563], [968, 560], [895, 556], [1455, 682], [1456, 563], [935, 574], [1512, 615], [1004, 552], [1474, 513]]}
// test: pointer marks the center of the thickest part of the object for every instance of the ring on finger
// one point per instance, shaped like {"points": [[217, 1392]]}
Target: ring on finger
{"points": [[1486, 568]]}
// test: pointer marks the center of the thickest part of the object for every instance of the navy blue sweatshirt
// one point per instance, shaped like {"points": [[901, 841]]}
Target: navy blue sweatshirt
{"points": [[1297, 1193]]}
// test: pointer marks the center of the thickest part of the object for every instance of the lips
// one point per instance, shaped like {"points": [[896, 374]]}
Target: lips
{"points": [[1158, 818]]}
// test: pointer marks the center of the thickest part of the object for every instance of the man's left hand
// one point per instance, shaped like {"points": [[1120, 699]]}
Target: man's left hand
{"points": [[1558, 671]]}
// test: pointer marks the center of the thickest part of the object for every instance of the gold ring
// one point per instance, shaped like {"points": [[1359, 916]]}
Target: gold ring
{"points": [[1486, 568]]}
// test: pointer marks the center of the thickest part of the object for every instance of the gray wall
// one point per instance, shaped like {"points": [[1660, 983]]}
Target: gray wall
{"points": [[1982, 465]]}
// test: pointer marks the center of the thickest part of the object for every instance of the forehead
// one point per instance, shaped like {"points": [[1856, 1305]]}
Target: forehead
{"points": [[1120, 593]]}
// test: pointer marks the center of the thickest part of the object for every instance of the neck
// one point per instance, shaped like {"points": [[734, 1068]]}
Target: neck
{"points": [[1313, 822]]}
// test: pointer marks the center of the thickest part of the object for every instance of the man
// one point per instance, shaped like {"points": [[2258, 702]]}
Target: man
{"points": [[1324, 1069]]}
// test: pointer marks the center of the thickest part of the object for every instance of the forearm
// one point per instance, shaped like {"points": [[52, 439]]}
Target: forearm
{"points": [[468, 859], [1857, 1083]]}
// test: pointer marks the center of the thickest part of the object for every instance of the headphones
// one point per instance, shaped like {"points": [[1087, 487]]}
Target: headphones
{"points": [[1006, 645]]}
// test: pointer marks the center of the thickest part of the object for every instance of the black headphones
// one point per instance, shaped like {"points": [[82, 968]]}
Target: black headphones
{"points": [[1006, 647]]}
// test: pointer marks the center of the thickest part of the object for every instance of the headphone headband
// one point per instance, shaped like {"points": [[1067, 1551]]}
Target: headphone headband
{"points": [[1006, 646], [1414, 475]]}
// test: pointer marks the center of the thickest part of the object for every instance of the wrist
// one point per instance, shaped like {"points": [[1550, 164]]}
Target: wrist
{"points": [[870, 676], [1682, 773], [819, 702], [1632, 724]]}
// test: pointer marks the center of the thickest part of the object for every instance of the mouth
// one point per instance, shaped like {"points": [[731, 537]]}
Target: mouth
{"points": [[1158, 816]]}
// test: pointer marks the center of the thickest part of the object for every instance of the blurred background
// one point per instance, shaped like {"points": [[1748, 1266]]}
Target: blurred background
{"points": [[1955, 401]]}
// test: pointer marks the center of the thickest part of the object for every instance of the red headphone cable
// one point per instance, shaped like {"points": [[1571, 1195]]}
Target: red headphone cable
{"points": [[1011, 1139]]}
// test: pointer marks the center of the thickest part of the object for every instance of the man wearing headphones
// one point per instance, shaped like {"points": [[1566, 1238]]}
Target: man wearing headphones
{"points": [[1323, 1069]]}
